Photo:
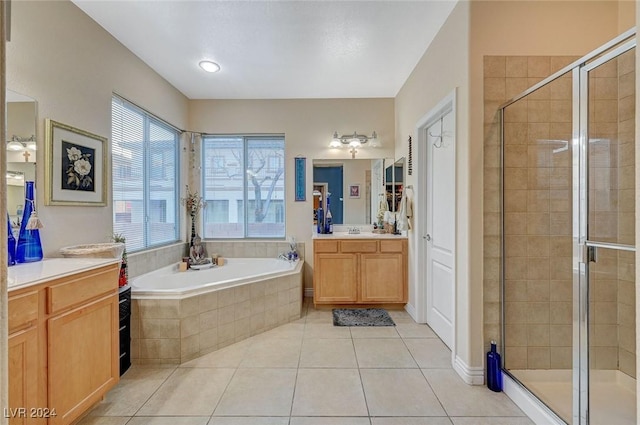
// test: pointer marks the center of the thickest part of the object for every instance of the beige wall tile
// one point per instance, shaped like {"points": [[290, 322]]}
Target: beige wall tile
{"points": [[515, 357], [189, 347], [516, 334], [494, 89], [538, 178], [561, 357], [226, 333], [538, 224], [494, 66], [606, 358], [209, 339], [226, 297], [538, 335], [160, 348], [538, 290], [515, 66], [208, 320], [538, 111], [160, 328], [561, 290], [561, 335], [627, 362], [537, 312], [561, 89], [604, 336], [538, 66], [561, 313], [208, 301], [516, 268], [516, 112], [515, 290], [538, 357], [159, 309], [189, 306], [190, 326], [242, 310]]}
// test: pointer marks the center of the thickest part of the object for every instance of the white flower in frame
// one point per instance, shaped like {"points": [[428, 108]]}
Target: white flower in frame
{"points": [[82, 167], [74, 154]]}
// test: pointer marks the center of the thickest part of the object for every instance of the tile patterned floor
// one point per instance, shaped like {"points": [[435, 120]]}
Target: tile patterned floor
{"points": [[311, 373]]}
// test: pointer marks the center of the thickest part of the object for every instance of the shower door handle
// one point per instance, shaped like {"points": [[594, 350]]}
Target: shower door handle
{"points": [[592, 254]]}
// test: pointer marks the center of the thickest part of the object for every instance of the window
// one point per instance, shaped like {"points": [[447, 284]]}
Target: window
{"points": [[144, 154], [243, 181]]}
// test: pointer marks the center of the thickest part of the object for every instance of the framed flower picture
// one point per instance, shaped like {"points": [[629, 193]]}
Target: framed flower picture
{"points": [[75, 166]]}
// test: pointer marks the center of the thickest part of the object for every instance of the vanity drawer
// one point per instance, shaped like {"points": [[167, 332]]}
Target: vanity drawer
{"points": [[391, 246], [359, 246], [23, 310], [82, 288], [325, 246]]}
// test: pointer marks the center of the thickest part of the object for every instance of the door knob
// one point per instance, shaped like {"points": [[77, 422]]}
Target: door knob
{"points": [[428, 237]]}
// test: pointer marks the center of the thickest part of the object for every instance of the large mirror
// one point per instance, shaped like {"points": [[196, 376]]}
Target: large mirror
{"points": [[21, 155], [356, 188]]}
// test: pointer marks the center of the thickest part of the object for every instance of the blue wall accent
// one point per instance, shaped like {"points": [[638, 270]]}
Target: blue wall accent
{"points": [[332, 176]]}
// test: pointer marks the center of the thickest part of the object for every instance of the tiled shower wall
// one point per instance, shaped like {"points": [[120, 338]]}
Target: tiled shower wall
{"points": [[538, 213]]}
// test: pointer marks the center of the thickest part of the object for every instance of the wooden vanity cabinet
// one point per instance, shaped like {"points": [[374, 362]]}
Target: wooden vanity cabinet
{"points": [[360, 271], [63, 346]]}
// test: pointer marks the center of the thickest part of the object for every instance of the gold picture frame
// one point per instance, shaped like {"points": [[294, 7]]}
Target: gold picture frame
{"points": [[75, 166]]}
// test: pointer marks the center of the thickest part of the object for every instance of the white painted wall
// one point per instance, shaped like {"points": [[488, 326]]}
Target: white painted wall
{"points": [[444, 67], [71, 66]]}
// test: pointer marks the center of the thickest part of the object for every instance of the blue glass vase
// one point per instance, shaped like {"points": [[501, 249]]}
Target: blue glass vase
{"points": [[11, 244], [29, 248]]}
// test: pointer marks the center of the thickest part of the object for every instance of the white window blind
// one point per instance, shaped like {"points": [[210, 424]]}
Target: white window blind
{"points": [[145, 183], [243, 180]]}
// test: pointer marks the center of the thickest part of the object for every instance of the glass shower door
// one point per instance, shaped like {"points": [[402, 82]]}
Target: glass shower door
{"points": [[607, 233]]}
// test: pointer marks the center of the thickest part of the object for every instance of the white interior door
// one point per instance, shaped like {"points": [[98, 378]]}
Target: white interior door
{"points": [[440, 237]]}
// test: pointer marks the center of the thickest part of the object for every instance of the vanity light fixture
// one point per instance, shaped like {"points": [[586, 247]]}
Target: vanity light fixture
{"points": [[18, 143], [354, 141], [209, 66]]}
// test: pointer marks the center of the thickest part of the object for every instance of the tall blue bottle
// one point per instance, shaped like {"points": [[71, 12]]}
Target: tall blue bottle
{"points": [[11, 244], [494, 369], [328, 219], [320, 228], [29, 248]]}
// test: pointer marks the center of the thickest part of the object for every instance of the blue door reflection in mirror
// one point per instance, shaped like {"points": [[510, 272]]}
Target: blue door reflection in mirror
{"points": [[331, 175]]}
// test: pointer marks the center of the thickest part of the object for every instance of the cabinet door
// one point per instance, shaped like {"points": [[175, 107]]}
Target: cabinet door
{"points": [[335, 279], [83, 357], [23, 377], [383, 278]]}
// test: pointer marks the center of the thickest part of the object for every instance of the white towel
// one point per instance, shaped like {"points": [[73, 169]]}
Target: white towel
{"points": [[406, 212]]}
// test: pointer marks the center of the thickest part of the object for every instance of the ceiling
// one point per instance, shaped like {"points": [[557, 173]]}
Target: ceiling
{"points": [[276, 49]]}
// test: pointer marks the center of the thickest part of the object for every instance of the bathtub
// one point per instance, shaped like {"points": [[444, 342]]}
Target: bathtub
{"points": [[177, 316], [168, 282]]}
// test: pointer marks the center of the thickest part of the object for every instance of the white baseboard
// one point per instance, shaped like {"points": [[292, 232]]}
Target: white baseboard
{"points": [[308, 292], [531, 406], [409, 308], [470, 375]]}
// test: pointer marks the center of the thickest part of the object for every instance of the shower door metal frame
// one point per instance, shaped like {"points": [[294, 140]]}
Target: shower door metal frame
{"points": [[583, 248], [581, 245]]}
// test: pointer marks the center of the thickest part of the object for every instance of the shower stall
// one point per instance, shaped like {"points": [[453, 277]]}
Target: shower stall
{"points": [[568, 238]]}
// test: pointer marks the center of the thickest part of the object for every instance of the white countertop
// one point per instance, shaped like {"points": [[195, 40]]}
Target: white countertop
{"points": [[28, 274], [362, 235]]}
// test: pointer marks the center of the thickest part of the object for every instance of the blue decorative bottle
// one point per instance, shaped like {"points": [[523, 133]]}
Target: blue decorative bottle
{"points": [[29, 248], [494, 369], [320, 226], [11, 244], [328, 221]]}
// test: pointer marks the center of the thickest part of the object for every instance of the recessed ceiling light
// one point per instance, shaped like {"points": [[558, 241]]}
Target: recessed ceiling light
{"points": [[209, 66]]}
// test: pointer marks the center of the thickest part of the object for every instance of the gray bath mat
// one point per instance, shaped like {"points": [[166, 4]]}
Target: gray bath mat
{"points": [[361, 317]]}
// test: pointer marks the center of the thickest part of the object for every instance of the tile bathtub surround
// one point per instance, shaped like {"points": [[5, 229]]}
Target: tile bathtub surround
{"points": [[165, 331], [146, 261], [310, 373]]}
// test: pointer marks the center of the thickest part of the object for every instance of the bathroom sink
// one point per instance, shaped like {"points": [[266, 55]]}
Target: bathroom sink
{"points": [[96, 250]]}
